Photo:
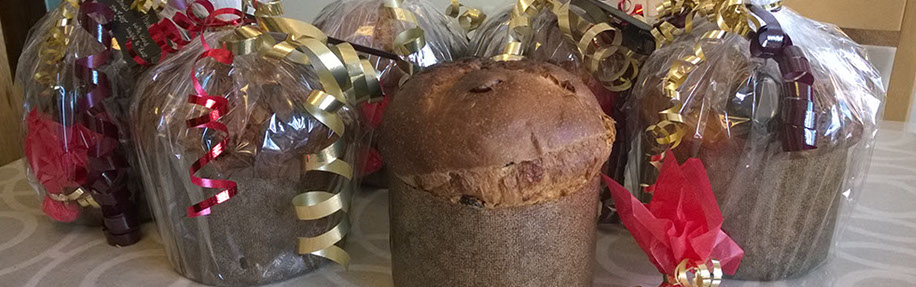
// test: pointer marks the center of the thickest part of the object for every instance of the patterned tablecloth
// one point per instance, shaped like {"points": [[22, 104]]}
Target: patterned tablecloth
{"points": [[878, 248]]}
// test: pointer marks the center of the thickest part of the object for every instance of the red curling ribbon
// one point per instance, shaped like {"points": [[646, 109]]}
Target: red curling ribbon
{"points": [[799, 120], [218, 106], [106, 177], [624, 5], [168, 36]]}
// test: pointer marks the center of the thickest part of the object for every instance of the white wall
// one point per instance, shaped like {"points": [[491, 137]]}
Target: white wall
{"points": [[308, 9]]}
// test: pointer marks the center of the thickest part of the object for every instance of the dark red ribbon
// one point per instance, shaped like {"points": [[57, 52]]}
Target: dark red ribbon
{"points": [[799, 119], [218, 106], [107, 176]]}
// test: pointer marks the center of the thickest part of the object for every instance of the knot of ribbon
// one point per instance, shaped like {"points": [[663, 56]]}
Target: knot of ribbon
{"points": [[345, 80], [799, 131], [695, 274]]}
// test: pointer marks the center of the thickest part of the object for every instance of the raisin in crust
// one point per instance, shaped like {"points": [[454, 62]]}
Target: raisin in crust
{"points": [[505, 133]]}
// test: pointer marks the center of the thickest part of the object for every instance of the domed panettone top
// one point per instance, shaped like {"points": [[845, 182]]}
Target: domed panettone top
{"points": [[503, 133]]}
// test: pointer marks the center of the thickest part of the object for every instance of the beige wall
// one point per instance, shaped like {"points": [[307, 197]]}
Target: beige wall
{"points": [[10, 103]]}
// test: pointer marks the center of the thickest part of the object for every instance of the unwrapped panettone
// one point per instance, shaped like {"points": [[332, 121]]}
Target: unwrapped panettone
{"points": [[494, 171]]}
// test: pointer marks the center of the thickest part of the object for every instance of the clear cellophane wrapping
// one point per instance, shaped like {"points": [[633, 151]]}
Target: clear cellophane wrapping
{"points": [[548, 44], [74, 122], [781, 207], [250, 239], [371, 24]]}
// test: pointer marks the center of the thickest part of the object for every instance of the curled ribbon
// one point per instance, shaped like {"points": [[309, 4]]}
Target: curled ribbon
{"points": [[596, 42], [54, 47], [107, 181], [218, 107], [702, 274], [520, 31], [79, 196], [767, 41], [345, 80], [799, 131], [628, 7], [169, 37], [470, 20], [144, 6], [411, 40], [731, 16]]}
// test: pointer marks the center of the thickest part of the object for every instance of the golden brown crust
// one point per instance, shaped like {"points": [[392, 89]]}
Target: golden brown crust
{"points": [[506, 133]]}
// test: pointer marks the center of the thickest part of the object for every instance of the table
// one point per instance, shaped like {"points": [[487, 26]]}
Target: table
{"points": [[878, 248]]}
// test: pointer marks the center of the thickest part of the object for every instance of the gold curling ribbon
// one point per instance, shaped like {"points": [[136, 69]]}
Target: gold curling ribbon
{"points": [[731, 16], [595, 51], [588, 36], [50, 55], [411, 40], [346, 80], [520, 31], [79, 196], [671, 127], [773, 7], [470, 20], [54, 47], [703, 276], [144, 6]]}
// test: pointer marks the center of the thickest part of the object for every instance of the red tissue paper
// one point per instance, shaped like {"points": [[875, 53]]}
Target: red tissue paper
{"points": [[683, 220], [59, 158]]}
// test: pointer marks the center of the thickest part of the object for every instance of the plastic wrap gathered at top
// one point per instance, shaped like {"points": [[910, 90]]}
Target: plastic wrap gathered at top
{"points": [[375, 24], [235, 177], [395, 27], [77, 91], [549, 43], [736, 113]]}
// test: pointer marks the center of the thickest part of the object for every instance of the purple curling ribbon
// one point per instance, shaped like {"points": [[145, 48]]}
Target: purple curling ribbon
{"points": [[107, 177], [799, 120]]}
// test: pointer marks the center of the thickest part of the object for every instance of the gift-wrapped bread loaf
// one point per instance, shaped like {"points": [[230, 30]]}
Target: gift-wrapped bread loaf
{"points": [[78, 88], [375, 24], [494, 173], [780, 204], [249, 239]]}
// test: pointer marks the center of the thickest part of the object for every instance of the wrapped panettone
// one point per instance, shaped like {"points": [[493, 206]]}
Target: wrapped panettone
{"points": [[387, 25], [494, 173], [78, 153], [373, 23], [241, 176], [786, 142]]}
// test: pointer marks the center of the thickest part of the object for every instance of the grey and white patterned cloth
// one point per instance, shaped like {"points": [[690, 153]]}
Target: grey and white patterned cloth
{"points": [[877, 248]]}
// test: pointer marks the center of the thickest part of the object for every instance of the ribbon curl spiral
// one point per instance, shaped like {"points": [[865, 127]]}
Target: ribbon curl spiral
{"points": [[346, 80]]}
